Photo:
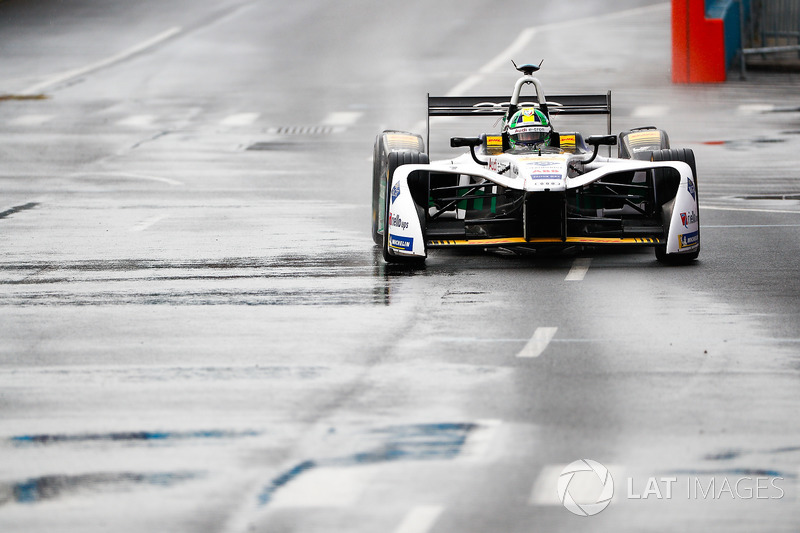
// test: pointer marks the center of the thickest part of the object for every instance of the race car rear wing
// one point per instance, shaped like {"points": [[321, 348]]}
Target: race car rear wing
{"points": [[480, 106]]}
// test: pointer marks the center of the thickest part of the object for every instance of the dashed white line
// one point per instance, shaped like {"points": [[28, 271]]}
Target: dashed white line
{"points": [[127, 175], [539, 342], [420, 519], [125, 54], [342, 118], [137, 120], [240, 119], [718, 226], [31, 120], [524, 38], [579, 269], [324, 487], [754, 109], [146, 223], [545, 487], [744, 209], [650, 111]]}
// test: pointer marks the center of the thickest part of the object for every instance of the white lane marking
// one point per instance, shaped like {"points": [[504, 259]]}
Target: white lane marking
{"points": [[717, 208], [240, 119], [125, 54], [342, 118], [324, 487], [538, 343], [545, 487], [129, 175], [137, 120], [522, 40], [579, 269], [754, 109], [466, 84], [504, 58], [706, 226], [420, 519], [146, 223], [650, 111], [480, 440], [31, 120], [517, 340]]}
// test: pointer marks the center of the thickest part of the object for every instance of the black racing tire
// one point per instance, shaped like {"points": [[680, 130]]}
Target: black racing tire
{"points": [[394, 160], [684, 155], [377, 175], [386, 143]]}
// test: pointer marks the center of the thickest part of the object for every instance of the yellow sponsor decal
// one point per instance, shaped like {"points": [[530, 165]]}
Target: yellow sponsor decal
{"points": [[641, 138], [567, 141], [399, 140], [494, 144]]}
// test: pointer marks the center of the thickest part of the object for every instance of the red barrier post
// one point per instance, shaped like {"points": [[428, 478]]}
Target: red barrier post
{"points": [[698, 44]]}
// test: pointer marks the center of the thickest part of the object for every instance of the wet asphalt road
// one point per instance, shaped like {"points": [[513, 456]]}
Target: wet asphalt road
{"points": [[196, 333]]}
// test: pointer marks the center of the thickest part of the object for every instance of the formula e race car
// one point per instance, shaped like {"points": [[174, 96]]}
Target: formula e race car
{"points": [[530, 187]]}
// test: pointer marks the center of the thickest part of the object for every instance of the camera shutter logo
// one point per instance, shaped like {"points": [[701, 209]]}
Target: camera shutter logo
{"points": [[568, 476]]}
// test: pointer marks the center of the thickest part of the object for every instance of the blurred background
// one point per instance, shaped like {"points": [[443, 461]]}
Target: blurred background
{"points": [[198, 334]]}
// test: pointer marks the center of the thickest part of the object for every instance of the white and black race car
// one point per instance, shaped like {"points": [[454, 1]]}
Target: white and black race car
{"points": [[526, 197]]}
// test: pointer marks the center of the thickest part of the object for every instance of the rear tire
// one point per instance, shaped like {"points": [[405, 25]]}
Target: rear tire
{"points": [[684, 155], [394, 160]]}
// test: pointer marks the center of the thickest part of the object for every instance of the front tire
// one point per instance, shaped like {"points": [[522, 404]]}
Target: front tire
{"points": [[387, 142], [395, 160], [684, 155]]}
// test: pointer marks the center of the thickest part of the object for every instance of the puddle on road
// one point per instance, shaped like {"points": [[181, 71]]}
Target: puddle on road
{"points": [[334, 279]]}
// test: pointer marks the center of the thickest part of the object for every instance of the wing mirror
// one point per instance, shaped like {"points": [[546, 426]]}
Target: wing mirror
{"points": [[458, 142], [472, 142], [597, 141], [602, 140]]}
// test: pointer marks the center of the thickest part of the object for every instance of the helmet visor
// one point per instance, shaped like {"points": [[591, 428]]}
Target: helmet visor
{"points": [[530, 134]]}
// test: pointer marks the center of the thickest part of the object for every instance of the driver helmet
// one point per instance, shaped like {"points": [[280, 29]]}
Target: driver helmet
{"points": [[529, 127]]}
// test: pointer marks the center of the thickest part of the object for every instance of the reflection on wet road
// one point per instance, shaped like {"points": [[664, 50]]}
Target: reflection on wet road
{"points": [[197, 333]]}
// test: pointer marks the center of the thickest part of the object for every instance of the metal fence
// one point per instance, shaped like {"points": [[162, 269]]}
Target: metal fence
{"points": [[773, 28]]}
